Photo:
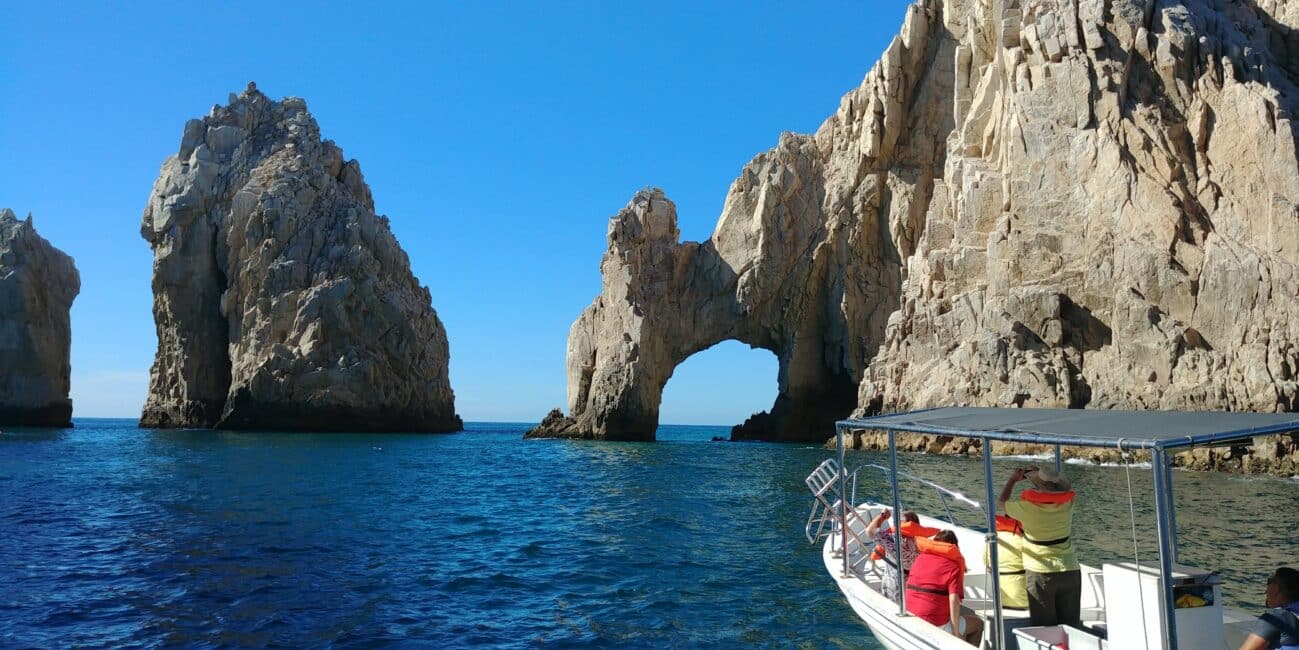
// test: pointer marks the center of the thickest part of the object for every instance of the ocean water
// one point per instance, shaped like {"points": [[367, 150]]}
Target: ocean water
{"points": [[116, 536]]}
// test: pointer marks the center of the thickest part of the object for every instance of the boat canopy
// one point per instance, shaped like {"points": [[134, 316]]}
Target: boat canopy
{"points": [[1123, 430]]}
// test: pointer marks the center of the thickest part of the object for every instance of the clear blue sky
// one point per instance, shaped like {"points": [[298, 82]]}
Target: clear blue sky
{"points": [[498, 137]]}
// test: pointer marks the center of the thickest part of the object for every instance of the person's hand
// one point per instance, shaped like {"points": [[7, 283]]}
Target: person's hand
{"points": [[884, 515], [1018, 475]]}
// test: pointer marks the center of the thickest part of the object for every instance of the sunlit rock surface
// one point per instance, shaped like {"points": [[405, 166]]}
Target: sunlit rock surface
{"points": [[38, 283], [1082, 203], [282, 301]]}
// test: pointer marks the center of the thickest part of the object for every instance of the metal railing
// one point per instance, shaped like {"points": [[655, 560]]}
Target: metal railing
{"points": [[943, 491], [827, 502]]}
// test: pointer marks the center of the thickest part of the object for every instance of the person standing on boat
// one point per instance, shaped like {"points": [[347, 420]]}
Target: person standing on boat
{"points": [[1051, 572], [1278, 627], [886, 548], [936, 587], [1010, 561]]}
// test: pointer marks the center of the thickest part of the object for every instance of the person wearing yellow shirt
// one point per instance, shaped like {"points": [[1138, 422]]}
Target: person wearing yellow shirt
{"points": [[1051, 573], [1010, 561]]}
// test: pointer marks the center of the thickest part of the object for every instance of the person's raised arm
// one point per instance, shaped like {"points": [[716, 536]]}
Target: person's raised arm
{"points": [[874, 526], [1015, 477]]}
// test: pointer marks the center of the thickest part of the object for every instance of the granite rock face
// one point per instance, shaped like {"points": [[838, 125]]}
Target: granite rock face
{"points": [[1116, 223], [1083, 203], [282, 301], [38, 283]]}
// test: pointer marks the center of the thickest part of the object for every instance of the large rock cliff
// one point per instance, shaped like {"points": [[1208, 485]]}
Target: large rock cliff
{"points": [[282, 301], [38, 283], [1084, 203]]}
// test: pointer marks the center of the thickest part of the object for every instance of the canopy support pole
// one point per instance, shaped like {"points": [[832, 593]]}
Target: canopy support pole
{"points": [[843, 498], [1172, 507], [1163, 518], [995, 634], [897, 523], [1058, 467]]}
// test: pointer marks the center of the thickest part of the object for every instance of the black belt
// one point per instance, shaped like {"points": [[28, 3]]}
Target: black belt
{"points": [[927, 590], [1049, 542]]}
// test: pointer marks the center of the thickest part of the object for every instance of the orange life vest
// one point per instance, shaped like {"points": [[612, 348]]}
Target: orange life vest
{"points": [[909, 529], [941, 549], [1009, 525], [1047, 498]]}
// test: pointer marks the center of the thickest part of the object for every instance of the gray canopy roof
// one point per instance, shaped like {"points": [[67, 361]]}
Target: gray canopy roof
{"points": [[1083, 427]]}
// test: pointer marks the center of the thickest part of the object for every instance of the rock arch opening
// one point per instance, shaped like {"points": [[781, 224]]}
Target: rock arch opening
{"points": [[724, 384]]}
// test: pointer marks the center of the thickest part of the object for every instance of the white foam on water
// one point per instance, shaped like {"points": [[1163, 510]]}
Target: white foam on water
{"points": [[1029, 456]]}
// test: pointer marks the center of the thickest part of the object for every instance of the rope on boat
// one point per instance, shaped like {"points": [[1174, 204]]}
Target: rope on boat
{"points": [[1136, 552]]}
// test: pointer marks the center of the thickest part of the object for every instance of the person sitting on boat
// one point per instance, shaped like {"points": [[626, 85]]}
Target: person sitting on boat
{"points": [[1051, 573], [1278, 627], [936, 586], [886, 546], [1010, 563]]}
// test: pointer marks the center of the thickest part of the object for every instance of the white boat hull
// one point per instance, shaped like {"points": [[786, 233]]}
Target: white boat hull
{"points": [[908, 632]]}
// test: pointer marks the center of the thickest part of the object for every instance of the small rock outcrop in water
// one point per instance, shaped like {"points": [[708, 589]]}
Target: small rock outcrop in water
{"points": [[1081, 203], [38, 283], [282, 301]]}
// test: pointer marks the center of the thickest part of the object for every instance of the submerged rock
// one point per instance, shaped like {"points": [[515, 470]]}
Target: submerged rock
{"points": [[38, 283], [1026, 202], [282, 301]]}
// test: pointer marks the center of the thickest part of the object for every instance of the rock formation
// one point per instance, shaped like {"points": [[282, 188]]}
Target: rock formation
{"points": [[1082, 203], [38, 283], [282, 301]]}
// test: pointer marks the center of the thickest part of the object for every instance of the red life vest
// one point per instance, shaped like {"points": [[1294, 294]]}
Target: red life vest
{"points": [[1009, 525], [1046, 498], [941, 549]]}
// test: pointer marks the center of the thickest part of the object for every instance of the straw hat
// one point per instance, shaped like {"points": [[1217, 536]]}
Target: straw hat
{"points": [[1048, 479]]}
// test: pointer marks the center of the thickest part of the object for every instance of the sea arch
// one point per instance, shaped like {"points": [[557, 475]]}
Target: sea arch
{"points": [[788, 269]]}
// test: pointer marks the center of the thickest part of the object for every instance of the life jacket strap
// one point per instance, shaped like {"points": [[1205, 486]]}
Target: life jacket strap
{"points": [[1012, 573], [928, 590], [1049, 542]]}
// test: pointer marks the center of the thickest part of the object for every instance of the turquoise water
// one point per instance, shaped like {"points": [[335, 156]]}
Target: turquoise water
{"points": [[114, 535]]}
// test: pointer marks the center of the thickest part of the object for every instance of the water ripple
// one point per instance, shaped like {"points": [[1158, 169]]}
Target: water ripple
{"points": [[124, 537]]}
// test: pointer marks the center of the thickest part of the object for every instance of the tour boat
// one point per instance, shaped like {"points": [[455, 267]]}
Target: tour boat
{"points": [[1125, 605]]}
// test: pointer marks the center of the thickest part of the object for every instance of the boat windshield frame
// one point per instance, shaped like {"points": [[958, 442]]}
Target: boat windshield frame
{"points": [[1155, 431]]}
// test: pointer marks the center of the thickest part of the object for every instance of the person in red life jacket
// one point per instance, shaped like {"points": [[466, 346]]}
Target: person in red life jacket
{"points": [[1278, 627], [936, 586], [1051, 572], [886, 546]]}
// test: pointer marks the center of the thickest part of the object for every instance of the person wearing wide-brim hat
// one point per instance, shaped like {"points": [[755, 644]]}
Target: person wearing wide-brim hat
{"points": [[1051, 570]]}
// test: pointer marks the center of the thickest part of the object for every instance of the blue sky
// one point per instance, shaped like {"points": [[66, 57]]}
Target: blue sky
{"points": [[498, 137]]}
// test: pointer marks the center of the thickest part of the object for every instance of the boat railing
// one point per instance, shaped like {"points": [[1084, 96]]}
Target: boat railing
{"points": [[826, 510], [944, 492]]}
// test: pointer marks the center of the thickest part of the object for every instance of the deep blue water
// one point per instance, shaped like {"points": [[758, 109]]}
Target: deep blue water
{"points": [[112, 535], [116, 536]]}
